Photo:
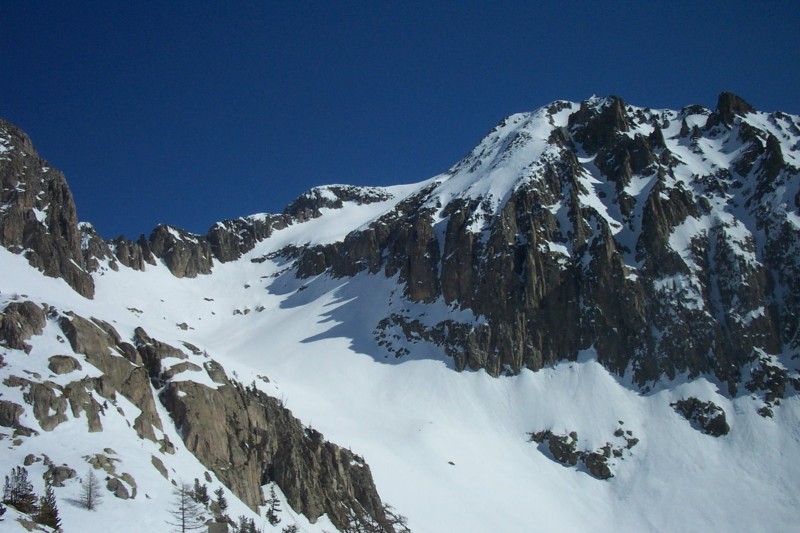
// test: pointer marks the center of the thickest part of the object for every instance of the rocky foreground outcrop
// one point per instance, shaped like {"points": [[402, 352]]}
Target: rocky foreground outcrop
{"points": [[37, 213], [245, 437]]}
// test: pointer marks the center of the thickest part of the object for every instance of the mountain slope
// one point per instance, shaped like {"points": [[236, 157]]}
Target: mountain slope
{"points": [[621, 281]]}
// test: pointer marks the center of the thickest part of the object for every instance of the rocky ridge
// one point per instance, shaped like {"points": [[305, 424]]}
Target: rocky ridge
{"points": [[244, 437], [667, 240]]}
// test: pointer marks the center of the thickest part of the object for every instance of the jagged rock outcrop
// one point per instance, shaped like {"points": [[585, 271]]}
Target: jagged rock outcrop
{"points": [[19, 321], [244, 436], [248, 439], [607, 238], [598, 463], [185, 255], [707, 417], [37, 213], [102, 346]]}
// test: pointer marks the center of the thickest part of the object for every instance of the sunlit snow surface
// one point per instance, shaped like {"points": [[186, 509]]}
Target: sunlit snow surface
{"points": [[448, 450], [411, 418]]}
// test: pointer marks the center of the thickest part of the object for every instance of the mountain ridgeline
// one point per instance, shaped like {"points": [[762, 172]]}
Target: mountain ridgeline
{"points": [[666, 240]]}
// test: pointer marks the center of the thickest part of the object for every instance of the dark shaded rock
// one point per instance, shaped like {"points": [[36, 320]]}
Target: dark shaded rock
{"points": [[563, 448], [158, 464], [95, 249], [598, 122], [185, 254], [118, 488], [215, 372], [153, 352], [133, 254], [39, 215], [19, 322], [597, 465], [308, 205], [707, 417], [728, 106]]}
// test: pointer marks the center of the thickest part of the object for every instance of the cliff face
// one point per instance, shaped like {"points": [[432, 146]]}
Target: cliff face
{"points": [[666, 240], [37, 212]]}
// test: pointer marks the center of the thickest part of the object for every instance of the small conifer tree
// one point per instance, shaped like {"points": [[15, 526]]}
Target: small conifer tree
{"points": [[18, 491], [48, 510], [200, 493], [221, 501], [274, 507]]}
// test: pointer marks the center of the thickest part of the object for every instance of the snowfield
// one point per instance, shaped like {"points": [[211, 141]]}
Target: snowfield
{"points": [[449, 450]]}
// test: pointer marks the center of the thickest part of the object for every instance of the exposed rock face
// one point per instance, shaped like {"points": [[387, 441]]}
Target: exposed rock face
{"points": [[707, 417], [37, 212], [247, 439], [63, 364], [231, 239], [9, 414], [99, 342], [244, 436], [19, 321], [607, 239], [598, 463], [185, 255]]}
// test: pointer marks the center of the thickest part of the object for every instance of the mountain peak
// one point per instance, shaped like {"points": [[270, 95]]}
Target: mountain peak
{"points": [[730, 105]]}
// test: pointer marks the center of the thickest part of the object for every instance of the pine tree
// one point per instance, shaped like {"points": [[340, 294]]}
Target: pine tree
{"points": [[2, 511], [18, 491], [221, 501], [274, 507], [247, 525], [48, 510], [186, 513], [200, 493], [90, 495], [291, 528]]}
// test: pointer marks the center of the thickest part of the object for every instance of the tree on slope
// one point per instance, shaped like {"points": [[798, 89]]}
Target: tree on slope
{"points": [[186, 513], [222, 502], [90, 495], [247, 525], [200, 493], [48, 510], [18, 491], [274, 507]]}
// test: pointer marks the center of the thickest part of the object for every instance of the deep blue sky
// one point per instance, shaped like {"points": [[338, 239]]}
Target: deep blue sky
{"points": [[191, 112]]}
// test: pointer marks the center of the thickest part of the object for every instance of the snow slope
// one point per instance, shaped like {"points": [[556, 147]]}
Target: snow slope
{"points": [[449, 450]]}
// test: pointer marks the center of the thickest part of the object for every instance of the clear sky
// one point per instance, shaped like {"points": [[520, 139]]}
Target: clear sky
{"points": [[187, 113]]}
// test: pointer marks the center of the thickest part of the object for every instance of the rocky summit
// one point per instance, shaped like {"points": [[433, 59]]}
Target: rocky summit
{"points": [[615, 284]]}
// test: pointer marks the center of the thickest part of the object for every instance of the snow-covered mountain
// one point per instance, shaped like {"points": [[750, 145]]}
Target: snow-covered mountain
{"points": [[588, 323]]}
